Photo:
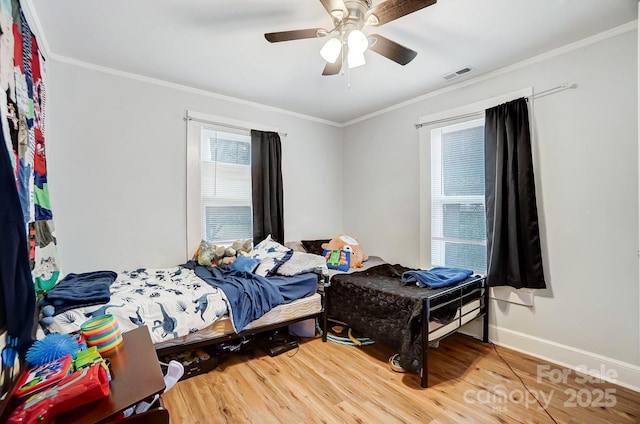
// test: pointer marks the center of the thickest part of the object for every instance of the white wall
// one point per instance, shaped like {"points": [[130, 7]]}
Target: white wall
{"points": [[116, 158], [586, 169]]}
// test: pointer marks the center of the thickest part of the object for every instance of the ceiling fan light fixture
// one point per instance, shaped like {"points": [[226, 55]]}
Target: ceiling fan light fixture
{"points": [[372, 20], [355, 59], [337, 14], [331, 50], [357, 41]]}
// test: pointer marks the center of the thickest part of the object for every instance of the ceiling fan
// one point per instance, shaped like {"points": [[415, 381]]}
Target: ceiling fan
{"points": [[349, 18]]}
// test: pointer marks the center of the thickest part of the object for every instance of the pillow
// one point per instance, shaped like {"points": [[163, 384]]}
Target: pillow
{"points": [[245, 263], [296, 246], [314, 246], [303, 262], [271, 255]]}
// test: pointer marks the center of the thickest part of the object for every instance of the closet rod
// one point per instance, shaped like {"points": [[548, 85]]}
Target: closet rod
{"points": [[479, 113], [222, 124]]}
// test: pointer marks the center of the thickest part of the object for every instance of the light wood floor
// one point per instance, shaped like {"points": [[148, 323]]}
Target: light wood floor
{"points": [[469, 382]]}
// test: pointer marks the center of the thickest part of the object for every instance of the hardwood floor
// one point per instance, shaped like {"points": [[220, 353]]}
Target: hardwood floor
{"points": [[469, 382]]}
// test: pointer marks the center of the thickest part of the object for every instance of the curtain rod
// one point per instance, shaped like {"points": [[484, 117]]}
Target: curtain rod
{"points": [[548, 92], [222, 124]]}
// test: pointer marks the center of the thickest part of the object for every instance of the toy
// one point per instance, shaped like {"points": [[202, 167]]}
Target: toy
{"points": [[89, 357], [349, 244], [103, 332], [209, 254], [242, 247], [51, 347], [226, 255], [43, 375], [338, 259], [81, 387]]}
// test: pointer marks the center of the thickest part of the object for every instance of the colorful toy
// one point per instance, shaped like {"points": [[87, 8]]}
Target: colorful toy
{"points": [[338, 259], [350, 244], [89, 357], [43, 376], [82, 387], [103, 332]]}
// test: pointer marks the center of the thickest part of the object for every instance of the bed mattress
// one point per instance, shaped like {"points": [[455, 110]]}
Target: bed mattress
{"points": [[285, 312]]}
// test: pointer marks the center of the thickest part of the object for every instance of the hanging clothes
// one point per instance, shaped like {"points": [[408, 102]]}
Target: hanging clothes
{"points": [[17, 292]]}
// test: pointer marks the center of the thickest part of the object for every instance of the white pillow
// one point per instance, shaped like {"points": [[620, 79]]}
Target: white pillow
{"points": [[304, 262], [271, 255]]}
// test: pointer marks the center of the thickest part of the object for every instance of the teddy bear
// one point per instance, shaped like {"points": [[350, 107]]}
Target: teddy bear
{"points": [[350, 244]]}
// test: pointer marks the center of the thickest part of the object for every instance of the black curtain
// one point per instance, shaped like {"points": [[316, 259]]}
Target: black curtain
{"points": [[266, 179], [17, 292], [514, 257]]}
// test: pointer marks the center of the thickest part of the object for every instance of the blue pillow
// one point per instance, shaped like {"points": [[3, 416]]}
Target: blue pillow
{"points": [[245, 263]]}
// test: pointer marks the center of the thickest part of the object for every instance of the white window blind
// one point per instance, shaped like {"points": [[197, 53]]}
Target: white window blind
{"points": [[225, 185], [458, 226]]}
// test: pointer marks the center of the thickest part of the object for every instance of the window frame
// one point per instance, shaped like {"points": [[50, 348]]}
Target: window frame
{"points": [[195, 121]]}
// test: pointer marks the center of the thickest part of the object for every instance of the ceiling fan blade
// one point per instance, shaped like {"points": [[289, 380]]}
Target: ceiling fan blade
{"points": [[390, 49], [389, 10], [332, 68], [296, 34], [331, 5]]}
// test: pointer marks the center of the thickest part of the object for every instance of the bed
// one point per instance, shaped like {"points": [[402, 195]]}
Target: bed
{"points": [[376, 304], [190, 305]]}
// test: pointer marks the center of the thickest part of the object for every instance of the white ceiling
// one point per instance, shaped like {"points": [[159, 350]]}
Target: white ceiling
{"points": [[218, 45]]}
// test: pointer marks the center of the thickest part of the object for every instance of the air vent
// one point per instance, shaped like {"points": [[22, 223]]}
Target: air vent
{"points": [[457, 73]]}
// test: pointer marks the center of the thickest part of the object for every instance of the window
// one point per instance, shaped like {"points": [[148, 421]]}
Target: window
{"points": [[458, 227], [218, 183], [452, 214], [225, 186]]}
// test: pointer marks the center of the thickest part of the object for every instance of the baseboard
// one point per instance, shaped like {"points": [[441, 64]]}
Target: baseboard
{"points": [[601, 367]]}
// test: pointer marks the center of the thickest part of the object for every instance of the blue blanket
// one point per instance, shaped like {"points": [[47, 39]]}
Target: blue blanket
{"points": [[250, 296], [80, 290], [436, 277]]}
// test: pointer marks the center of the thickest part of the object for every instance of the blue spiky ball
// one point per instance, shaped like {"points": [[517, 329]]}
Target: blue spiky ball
{"points": [[53, 346]]}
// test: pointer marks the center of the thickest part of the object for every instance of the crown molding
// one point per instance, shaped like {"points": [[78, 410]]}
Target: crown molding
{"points": [[630, 26]]}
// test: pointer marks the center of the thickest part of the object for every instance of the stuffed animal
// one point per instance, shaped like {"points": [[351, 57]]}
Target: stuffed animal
{"points": [[350, 244], [209, 254], [242, 247]]}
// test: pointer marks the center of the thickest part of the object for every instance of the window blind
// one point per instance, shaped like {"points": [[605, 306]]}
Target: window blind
{"points": [[458, 227], [225, 186]]}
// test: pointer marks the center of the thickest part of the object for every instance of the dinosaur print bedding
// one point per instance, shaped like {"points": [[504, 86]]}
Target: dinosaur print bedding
{"points": [[172, 302]]}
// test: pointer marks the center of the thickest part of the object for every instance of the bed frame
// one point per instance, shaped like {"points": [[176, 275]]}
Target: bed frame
{"points": [[461, 290], [320, 315], [468, 299]]}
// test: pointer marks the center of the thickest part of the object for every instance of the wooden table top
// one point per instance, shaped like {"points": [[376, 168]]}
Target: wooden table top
{"points": [[136, 375]]}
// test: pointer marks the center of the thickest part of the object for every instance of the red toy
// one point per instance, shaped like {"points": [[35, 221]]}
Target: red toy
{"points": [[82, 387], [42, 376]]}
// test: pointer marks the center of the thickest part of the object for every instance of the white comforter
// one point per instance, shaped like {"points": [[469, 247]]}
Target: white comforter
{"points": [[172, 302]]}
